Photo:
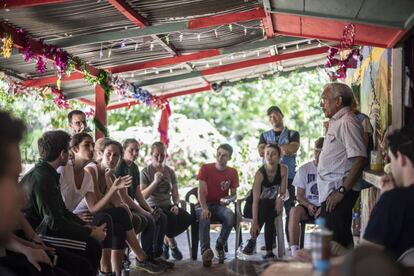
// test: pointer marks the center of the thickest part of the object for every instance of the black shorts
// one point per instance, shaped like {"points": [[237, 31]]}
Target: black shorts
{"points": [[306, 211]]}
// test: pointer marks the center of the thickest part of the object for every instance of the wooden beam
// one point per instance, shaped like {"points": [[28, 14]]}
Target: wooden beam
{"points": [[86, 101], [188, 92], [129, 12], [100, 109], [217, 20], [40, 82], [12, 4], [267, 21], [388, 24], [121, 105], [238, 65], [203, 22]]}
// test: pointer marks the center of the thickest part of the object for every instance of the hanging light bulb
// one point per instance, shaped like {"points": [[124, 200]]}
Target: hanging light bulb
{"points": [[220, 62], [109, 52], [245, 31], [151, 46], [145, 71], [123, 44], [101, 52], [284, 47], [297, 46], [157, 72], [181, 37], [171, 70], [230, 27], [132, 75], [244, 55], [167, 39], [309, 42], [207, 65], [258, 54], [198, 37], [232, 56], [319, 44], [216, 33], [263, 32], [136, 47]]}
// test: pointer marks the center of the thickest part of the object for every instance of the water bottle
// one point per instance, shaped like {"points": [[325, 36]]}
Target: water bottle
{"points": [[320, 243]]}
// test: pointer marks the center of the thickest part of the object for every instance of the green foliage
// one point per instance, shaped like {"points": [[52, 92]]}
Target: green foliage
{"points": [[199, 122]]}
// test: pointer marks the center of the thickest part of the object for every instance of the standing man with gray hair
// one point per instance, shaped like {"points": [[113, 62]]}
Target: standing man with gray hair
{"points": [[341, 161]]}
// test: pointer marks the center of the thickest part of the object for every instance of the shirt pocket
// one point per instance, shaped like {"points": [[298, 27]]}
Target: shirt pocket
{"points": [[331, 138]]}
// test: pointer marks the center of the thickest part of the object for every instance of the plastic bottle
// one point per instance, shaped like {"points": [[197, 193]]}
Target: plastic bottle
{"points": [[320, 241]]}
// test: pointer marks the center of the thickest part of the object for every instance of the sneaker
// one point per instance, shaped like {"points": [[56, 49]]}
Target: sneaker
{"points": [[263, 248], [165, 251], [106, 273], [149, 267], [164, 263], [220, 253], [249, 248], [207, 257], [269, 256], [176, 253]]}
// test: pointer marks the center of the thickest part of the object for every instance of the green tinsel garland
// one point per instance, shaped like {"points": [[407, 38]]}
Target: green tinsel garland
{"points": [[102, 80], [99, 126]]}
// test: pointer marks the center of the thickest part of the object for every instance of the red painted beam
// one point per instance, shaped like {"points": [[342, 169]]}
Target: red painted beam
{"points": [[100, 109], [121, 105], [211, 21], [397, 38], [187, 92], [331, 30], [164, 61], [268, 25], [129, 12], [8, 4], [86, 101], [40, 82], [255, 62]]}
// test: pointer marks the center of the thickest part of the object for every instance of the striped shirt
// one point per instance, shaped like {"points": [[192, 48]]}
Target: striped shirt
{"points": [[343, 142]]}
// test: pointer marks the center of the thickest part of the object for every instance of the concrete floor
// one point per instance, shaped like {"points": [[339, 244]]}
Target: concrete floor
{"points": [[251, 265]]}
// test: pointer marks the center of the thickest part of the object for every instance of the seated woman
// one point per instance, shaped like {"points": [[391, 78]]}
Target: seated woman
{"points": [[265, 202], [147, 221], [159, 188], [80, 187]]}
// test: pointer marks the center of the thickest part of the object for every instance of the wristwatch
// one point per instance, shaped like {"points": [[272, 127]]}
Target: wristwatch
{"points": [[342, 190]]}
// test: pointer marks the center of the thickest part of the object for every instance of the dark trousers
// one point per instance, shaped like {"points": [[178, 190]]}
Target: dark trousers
{"points": [[154, 247], [85, 247], [289, 204], [118, 223], [176, 224], [339, 221], [267, 215], [18, 264]]}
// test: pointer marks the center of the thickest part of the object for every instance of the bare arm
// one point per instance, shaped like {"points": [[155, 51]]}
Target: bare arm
{"points": [[300, 196], [175, 195], [129, 201], [141, 200], [366, 242], [146, 189], [284, 182], [290, 149], [355, 172], [202, 186], [257, 184]]}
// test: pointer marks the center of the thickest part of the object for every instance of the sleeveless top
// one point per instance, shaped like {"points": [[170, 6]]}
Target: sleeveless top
{"points": [[276, 181]]}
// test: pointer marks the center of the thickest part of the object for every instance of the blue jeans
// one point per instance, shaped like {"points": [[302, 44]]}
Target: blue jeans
{"points": [[218, 213]]}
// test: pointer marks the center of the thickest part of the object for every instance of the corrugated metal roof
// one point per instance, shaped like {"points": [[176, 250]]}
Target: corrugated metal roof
{"points": [[83, 17]]}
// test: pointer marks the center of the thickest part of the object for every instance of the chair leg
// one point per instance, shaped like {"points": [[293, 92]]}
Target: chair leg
{"points": [[237, 242], [302, 235], [194, 240], [280, 236], [188, 232]]}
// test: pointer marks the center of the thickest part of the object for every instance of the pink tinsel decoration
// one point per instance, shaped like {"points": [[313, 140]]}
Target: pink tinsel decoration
{"points": [[40, 65]]}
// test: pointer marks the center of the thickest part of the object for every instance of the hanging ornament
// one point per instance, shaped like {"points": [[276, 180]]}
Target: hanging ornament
{"points": [[40, 65], [198, 37], [6, 49], [339, 60]]}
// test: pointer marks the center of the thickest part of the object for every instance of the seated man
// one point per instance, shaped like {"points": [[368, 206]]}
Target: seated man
{"points": [[306, 195], [46, 211], [391, 224], [215, 181]]}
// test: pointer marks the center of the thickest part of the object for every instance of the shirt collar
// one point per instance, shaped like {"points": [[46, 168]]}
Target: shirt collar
{"points": [[49, 168], [341, 112]]}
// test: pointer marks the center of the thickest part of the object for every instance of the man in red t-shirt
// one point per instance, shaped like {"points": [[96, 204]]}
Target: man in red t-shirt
{"points": [[215, 182]]}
